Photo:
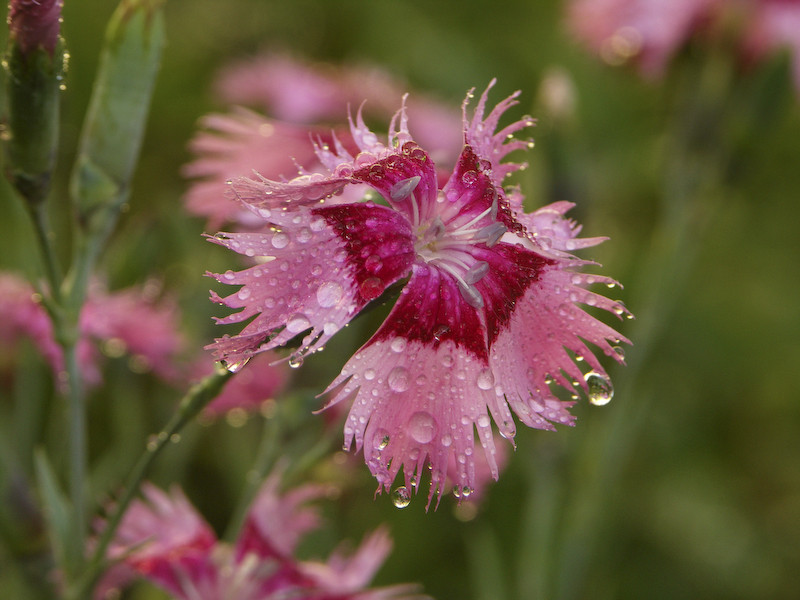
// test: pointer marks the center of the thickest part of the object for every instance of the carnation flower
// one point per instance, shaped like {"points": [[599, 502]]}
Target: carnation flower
{"points": [[487, 318], [648, 32], [164, 540], [298, 97]]}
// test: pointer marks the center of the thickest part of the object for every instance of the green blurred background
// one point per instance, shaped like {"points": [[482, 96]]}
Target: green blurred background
{"points": [[686, 486]]}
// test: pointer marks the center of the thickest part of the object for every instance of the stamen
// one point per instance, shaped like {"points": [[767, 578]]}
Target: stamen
{"points": [[491, 234], [476, 272], [403, 188], [471, 295]]}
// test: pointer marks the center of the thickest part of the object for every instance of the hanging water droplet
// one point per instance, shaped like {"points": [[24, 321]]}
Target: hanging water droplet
{"points": [[235, 367], [295, 361], [371, 288], [401, 497], [619, 351], [329, 294], [422, 427], [398, 379], [601, 391]]}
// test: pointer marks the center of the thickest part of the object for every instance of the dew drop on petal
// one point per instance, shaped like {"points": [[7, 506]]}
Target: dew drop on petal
{"points": [[329, 294], [369, 374], [398, 344], [483, 421], [601, 391], [485, 379], [295, 361], [398, 379], [371, 288], [381, 439], [236, 366], [280, 240], [297, 323], [401, 497], [422, 427]]}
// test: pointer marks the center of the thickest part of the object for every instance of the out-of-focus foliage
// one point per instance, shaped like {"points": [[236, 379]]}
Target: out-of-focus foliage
{"points": [[706, 497]]}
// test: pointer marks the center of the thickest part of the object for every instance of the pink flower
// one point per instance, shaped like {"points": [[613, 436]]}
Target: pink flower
{"points": [[648, 32], [166, 541], [297, 96], [125, 322], [773, 25], [35, 23], [484, 321]]}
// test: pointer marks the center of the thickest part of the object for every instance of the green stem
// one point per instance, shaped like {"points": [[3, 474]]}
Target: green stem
{"points": [[191, 404], [77, 454], [44, 236]]}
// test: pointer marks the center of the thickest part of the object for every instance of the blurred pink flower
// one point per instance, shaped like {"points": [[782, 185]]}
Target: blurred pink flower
{"points": [[774, 25], [129, 322], [648, 32], [298, 97], [166, 541], [35, 23], [481, 325]]}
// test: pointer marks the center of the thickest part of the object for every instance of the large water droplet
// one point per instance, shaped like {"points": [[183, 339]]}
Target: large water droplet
{"points": [[280, 240], [295, 361], [422, 427], [401, 497], [297, 323], [601, 391], [398, 379], [485, 379], [329, 294]]}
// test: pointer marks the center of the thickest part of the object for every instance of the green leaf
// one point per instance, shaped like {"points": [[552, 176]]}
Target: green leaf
{"points": [[57, 512], [115, 122]]}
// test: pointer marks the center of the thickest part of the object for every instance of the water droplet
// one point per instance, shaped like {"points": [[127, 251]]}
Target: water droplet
{"points": [[295, 361], [369, 374], [373, 263], [440, 331], [447, 360], [152, 443], [297, 322], [398, 379], [330, 328], [469, 178], [485, 379], [244, 293], [422, 427], [483, 421], [175, 438], [329, 294], [619, 351], [371, 288], [304, 235], [601, 391], [280, 240], [381, 439], [234, 367], [398, 344], [401, 497]]}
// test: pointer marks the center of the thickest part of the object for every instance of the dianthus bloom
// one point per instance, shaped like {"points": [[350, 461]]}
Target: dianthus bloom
{"points": [[483, 324], [35, 23], [651, 32], [164, 540]]}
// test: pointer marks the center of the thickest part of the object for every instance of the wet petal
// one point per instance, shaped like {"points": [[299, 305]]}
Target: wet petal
{"points": [[314, 274]]}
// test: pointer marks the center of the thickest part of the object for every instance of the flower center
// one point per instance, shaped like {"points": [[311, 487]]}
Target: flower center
{"points": [[448, 246]]}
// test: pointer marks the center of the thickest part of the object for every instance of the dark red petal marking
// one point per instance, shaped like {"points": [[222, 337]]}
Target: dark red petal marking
{"points": [[431, 310], [378, 241], [512, 270]]}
